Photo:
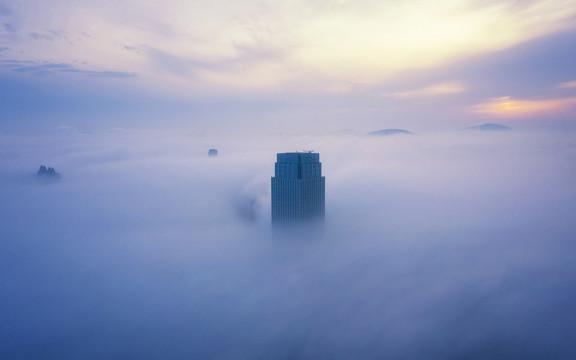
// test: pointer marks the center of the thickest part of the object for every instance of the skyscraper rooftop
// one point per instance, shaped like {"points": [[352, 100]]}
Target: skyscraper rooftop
{"points": [[298, 190]]}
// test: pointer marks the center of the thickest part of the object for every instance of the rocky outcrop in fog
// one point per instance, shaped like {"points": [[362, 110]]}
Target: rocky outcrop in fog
{"points": [[47, 173]]}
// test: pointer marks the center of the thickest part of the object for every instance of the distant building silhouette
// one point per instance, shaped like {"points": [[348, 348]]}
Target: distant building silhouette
{"points": [[298, 190], [47, 173], [212, 152]]}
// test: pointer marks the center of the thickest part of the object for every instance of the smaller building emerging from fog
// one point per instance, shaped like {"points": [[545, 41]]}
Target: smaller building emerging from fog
{"points": [[212, 152], [297, 190], [47, 173]]}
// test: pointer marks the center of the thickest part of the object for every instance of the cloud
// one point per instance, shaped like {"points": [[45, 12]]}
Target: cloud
{"points": [[37, 36], [445, 88], [46, 68], [296, 45], [247, 58], [529, 70], [396, 37], [54, 35], [569, 84], [166, 62], [444, 246], [508, 107], [8, 27], [4, 11], [132, 48]]}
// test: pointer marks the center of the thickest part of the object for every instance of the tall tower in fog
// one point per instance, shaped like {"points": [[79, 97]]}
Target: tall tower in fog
{"points": [[297, 190]]}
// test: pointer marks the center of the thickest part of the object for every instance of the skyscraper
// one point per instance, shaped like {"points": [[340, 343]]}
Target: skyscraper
{"points": [[297, 190]]}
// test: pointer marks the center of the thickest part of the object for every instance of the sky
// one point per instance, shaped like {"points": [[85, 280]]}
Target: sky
{"points": [[296, 65], [450, 243]]}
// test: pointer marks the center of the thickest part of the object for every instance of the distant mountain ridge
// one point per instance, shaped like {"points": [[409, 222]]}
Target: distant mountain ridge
{"points": [[489, 127], [389, 132]]}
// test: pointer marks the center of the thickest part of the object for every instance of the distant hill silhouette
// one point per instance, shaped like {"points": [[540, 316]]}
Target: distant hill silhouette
{"points": [[47, 173], [489, 127], [389, 132]]}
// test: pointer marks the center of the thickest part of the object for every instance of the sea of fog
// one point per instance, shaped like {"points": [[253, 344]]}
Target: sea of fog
{"points": [[456, 245]]}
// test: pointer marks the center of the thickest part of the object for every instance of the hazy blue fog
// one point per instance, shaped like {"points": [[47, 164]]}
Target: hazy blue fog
{"points": [[442, 246], [448, 244]]}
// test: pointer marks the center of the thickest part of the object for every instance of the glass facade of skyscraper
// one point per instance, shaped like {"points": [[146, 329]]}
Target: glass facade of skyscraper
{"points": [[297, 190]]}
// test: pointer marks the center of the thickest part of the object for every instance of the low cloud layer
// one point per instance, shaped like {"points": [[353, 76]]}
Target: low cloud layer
{"points": [[446, 246]]}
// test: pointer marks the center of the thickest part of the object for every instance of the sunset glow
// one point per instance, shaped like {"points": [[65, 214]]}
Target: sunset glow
{"points": [[508, 107]]}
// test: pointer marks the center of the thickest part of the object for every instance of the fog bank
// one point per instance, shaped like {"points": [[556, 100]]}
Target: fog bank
{"points": [[442, 246]]}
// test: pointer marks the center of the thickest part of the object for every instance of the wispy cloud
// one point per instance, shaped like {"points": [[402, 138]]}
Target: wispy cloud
{"points": [[445, 88], [8, 27], [284, 44], [37, 36], [569, 84], [4, 11], [508, 107], [46, 68]]}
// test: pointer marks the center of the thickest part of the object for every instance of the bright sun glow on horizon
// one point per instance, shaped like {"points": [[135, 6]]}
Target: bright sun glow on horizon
{"points": [[508, 107]]}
